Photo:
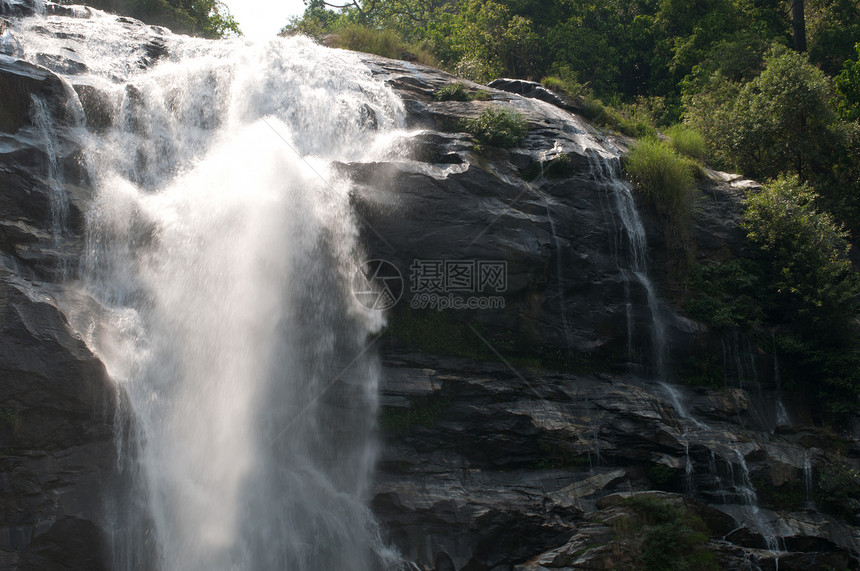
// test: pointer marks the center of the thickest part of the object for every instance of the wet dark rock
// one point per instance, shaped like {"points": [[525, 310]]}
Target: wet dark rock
{"points": [[535, 90], [367, 118], [69, 64], [19, 82], [496, 431], [68, 544], [98, 108], [17, 8], [56, 436], [154, 50], [53, 9]]}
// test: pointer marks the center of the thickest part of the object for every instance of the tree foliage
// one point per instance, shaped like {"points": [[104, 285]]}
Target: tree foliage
{"points": [[629, 47], [799, 282], [848, 88], [205, 18], [777, 122], [806, 253], [492, 42]]}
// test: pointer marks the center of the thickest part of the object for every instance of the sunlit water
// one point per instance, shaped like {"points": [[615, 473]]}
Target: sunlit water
{"points": [[219, 250]]}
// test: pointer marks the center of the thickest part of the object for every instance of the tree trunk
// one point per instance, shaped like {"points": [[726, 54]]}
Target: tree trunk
{"points": [[798, 21]]}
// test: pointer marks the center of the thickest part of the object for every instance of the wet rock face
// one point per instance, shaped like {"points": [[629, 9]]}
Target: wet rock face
{"points": [[19, 83], [56, 435], [495, 468], [57, 454], [563, 245], [492, 462]]}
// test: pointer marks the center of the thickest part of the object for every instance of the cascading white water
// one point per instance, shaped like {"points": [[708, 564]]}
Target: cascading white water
{"points": [[220, 249]]}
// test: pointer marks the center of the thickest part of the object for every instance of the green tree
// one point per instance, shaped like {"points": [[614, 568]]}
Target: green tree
{"points": [[778, 122], [205, 18], [833, 27], [590, 52], [806, 256], [848, 89], [810, 286], [492, 42]]}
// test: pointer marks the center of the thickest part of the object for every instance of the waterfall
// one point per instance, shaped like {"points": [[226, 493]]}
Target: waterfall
{"points": [[808, 488], [750, 500], [632, 261], [219, 252], [45, 130]]}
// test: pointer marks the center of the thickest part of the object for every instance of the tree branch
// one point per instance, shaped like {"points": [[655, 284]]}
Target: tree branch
{"points": [[342, 6]]}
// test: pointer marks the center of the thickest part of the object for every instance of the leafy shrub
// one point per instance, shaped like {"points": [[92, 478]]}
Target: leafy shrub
{"points": [[840, 186], [625, 121], [491, 41], [204, 18], [666, 180], [837, 487], [675, 538], [633, 120], [558, 167], [727, 296], [688, 142], [661, 474], [809, 284], [806, 255], [498, 126]]}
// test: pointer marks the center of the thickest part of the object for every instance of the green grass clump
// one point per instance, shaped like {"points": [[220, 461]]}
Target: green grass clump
{"points": [[688, 142], [457, 92], [569, 87], [385, 43], [666, 180], [498, 127], [627, 119], [452, 92]]}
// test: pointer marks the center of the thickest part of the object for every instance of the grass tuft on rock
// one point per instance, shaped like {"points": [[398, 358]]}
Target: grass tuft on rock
{"points": [[457, 92], [666, 180], [688, 142], [498, 126]]}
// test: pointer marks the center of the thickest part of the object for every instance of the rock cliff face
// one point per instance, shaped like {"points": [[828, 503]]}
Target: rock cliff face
{"points": [[57, 404], [511, 435], [497, 460]]}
